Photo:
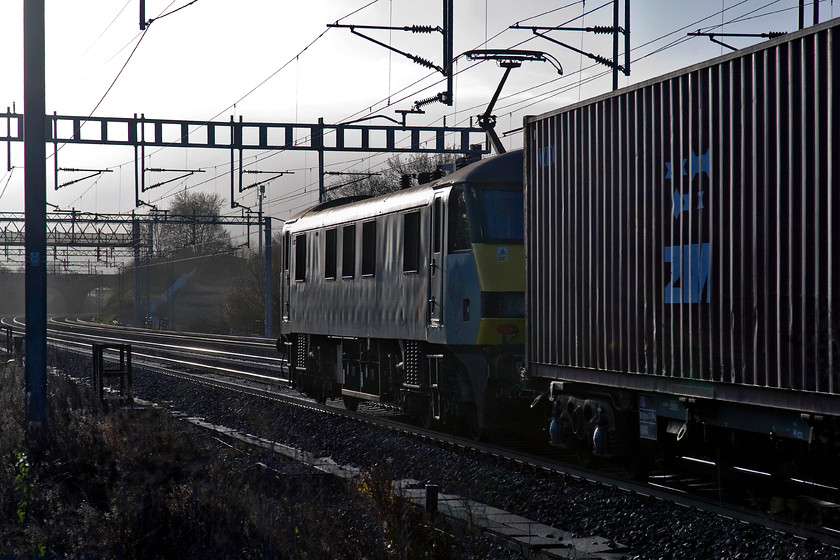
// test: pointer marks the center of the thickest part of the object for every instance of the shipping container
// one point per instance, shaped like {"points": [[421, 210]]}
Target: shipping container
{"points": [[683, 234]]}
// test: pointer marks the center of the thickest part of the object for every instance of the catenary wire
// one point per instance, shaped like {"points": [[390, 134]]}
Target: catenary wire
{"points": [[564, 88], [107, 27], [588, 79], [295, 58], [173, 11], [389, 100], [263, 82], [546, 96]]}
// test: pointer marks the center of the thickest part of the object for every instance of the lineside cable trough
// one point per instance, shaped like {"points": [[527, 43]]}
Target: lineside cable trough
{"points": [[532, 539]]}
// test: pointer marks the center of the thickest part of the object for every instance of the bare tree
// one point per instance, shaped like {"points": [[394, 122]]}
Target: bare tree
{"points": [[204, 235], [388, 180], [245, 302]]}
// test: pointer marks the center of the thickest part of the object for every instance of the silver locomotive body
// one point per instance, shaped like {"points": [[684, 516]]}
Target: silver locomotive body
{"points": [[414, 298]]}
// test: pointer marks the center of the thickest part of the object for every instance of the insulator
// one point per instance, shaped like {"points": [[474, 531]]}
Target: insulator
{"points": [[604, 61], [602, 29], [424, 62], [426, 101], [422, 28]]}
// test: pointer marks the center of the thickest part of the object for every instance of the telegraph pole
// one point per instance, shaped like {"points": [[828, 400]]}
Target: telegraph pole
{"points": [[35, 202]]}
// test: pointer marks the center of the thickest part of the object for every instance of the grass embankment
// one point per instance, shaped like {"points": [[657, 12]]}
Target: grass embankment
{"points": [[139, 484]]}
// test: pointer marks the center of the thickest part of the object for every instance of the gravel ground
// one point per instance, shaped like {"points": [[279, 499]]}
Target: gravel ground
{"points": [[652, 529]]}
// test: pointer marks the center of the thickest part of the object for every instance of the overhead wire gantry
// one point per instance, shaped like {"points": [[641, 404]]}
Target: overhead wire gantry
{"points": [[615, 30], [445, 68], [239, 136]]}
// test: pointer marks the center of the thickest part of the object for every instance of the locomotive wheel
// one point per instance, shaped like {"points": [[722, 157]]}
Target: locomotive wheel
{"points": [[477, 433], [350, 403], [426, 413], [321, 395]]}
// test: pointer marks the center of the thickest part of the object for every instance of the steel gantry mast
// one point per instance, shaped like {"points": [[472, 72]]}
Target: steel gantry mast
{"points": [[615, 30], [445, 68], [237, 136], [131, 235], [35, 196]]}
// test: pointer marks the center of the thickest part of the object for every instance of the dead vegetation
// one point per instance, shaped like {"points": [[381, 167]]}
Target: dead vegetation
{"points": [[139, 484], [136, 483]]}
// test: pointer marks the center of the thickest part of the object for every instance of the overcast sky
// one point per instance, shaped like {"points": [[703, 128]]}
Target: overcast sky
{"points": [[276, 61]]}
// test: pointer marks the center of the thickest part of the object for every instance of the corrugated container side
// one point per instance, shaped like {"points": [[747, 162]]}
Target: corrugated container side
{"points": [[687, 228]]}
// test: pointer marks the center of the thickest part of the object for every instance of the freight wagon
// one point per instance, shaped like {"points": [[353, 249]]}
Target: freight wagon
{"points": [[683, 258]]}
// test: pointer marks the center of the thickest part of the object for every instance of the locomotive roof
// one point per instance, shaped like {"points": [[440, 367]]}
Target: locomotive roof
{"points": [[501, 169]]}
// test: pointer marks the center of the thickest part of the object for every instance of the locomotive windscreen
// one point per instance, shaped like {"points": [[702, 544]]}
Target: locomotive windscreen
{"points": [[496, 215]]}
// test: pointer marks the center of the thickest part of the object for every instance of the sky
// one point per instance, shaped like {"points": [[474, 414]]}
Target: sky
{"points": [[277, 61]]}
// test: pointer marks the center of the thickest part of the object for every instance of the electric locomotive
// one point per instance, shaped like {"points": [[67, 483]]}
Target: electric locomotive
{"points": [[414, 298]]}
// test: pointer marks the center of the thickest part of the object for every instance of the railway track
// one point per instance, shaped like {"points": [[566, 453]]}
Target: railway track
{"points": [[245, 365], [242, 356]]}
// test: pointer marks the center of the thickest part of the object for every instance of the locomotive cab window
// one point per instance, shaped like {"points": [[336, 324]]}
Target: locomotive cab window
{"points": [[368, 249], [331, 254], [480, 215], [348, 260], [496, 215], [459, 228], [300, 257], [411, 242], [438, 220]]}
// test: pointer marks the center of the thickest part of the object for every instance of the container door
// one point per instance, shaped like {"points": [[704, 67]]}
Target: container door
{"points": [[436, 262]]}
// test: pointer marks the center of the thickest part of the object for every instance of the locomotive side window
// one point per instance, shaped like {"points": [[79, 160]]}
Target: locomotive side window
{"points": [[331, 254], [300, 257], [348, 260], [459, 229], [438, 233], [369, 249], [286, 248], [411, 242]]}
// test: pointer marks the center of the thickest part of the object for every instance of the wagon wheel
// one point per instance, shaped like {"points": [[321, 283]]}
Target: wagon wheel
{"points": [[586, 458], [350, 403], [636, 467]]}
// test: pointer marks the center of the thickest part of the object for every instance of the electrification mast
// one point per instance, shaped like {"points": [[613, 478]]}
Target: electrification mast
{"points": [[35, 201]]}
